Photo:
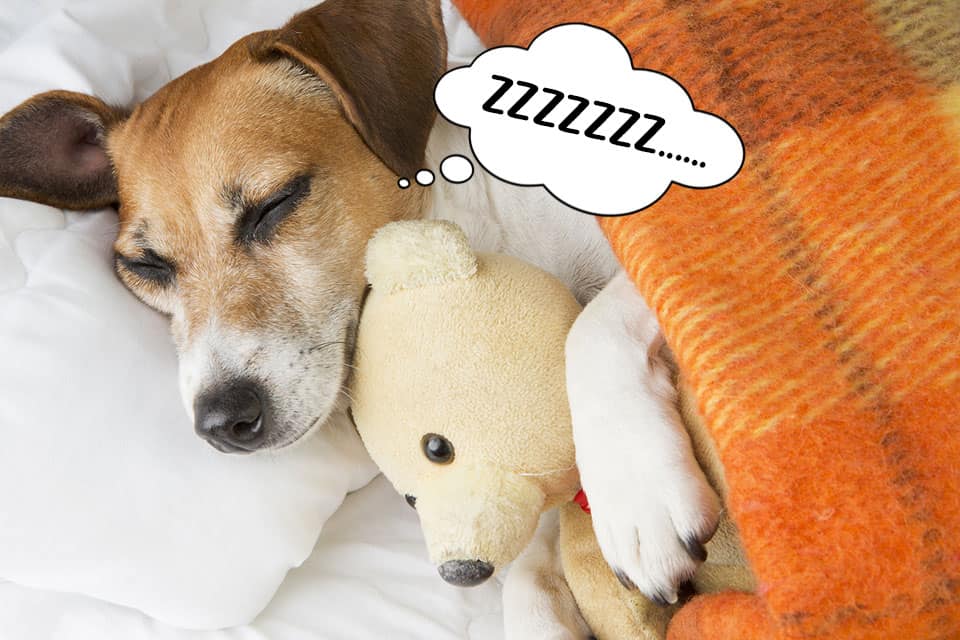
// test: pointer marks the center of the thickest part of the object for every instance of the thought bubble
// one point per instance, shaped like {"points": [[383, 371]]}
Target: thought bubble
{"points": [[570, 113], [425, 177], [456, 169]]}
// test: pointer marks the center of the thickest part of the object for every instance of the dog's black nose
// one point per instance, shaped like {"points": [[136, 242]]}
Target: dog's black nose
{"points": [[232, 417], [466, 573]]}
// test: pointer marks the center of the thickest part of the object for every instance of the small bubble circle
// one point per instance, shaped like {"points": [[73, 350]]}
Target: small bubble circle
{"points": [[456, 169], [686, 159], [403, 183], [662, 154], [703, 164], [425, 177], [669, 155]]}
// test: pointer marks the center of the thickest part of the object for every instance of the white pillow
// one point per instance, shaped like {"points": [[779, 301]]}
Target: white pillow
{"points": [[106, 491], [368, 578]]}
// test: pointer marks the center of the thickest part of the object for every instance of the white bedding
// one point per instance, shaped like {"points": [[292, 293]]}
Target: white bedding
{"points": [[368, 576], [368, 579]]}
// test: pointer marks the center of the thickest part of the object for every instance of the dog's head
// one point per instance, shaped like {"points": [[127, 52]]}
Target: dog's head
{"points": [[246, 191]]}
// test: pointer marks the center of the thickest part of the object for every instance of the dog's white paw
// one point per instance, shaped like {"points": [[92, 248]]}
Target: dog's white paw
{"points": [[651, 516], [652, 506]]}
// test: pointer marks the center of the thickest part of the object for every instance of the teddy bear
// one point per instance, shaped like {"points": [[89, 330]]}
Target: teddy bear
{"points": [[459, 396]]}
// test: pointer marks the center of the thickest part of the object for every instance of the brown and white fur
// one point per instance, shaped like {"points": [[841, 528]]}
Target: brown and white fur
{"points": [[246, 192]]}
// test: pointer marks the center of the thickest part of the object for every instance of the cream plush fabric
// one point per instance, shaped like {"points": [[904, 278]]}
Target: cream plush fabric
{"points": [[469, 348]]}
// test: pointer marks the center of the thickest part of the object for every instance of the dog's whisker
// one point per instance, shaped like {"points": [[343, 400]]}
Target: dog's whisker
{"points": [[346, 394], [323, 345]]}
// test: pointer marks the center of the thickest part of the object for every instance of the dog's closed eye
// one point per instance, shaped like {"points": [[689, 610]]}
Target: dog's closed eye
{"points": [[149, 266], [258, 222]]}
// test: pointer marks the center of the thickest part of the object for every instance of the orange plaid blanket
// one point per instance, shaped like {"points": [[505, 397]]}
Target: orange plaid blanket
{"points": [[814, 301]]}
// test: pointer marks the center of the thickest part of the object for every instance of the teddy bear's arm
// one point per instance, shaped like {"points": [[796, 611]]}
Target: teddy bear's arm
{"points": [[537, 602]]}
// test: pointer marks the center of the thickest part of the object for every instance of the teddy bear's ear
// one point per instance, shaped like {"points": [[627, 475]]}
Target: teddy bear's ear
{"points": [[417, 253]]}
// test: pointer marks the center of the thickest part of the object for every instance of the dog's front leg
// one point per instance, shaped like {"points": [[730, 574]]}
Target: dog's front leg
{"points": [[652, 507], [537, 603]]}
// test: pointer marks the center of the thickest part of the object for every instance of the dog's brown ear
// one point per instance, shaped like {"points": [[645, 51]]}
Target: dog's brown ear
{"points": [[382, 58], [52, 151]]}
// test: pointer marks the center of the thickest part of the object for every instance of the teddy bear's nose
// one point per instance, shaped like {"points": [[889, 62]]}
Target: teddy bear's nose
{"points": [[466, 573]]}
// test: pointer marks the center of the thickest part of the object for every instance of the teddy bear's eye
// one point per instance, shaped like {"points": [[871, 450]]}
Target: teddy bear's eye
{"points": [[437, 448], [411, 500]]}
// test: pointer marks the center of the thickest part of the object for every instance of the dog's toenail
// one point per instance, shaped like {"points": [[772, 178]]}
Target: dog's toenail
{"points": [[695, 549], [660, 600], [624, 579]]}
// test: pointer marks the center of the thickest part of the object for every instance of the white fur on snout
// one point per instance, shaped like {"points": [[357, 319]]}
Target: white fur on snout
{"points": [[194, 367], [301, 375]]}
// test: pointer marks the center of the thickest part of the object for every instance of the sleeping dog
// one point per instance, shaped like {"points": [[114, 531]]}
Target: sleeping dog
{"points": [[247, 190]]}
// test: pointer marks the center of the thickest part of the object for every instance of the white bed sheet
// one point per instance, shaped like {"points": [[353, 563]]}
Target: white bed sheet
{"points": [[367, 579], [368, 576]]}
